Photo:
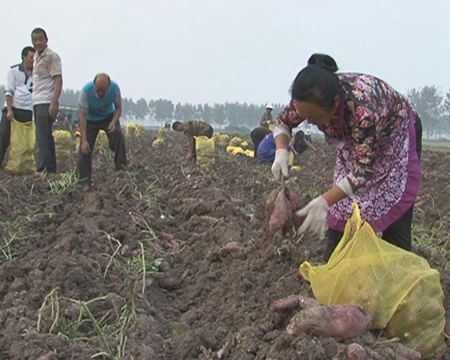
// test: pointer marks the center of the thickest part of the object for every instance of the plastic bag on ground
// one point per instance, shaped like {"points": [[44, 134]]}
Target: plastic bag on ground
{"points": [[21, 148], [397, 288]]}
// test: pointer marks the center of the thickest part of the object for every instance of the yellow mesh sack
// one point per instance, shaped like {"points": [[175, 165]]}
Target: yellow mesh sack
{"points": [[216, 138], [159, 143], [291, 158], [204, 148], [131, 130], [77, 142], [271, 125], [224, 140], [397, 288], [238, 151], [162, 133], [235, 141], [63, 143], [102, 140], [21, 148], [250, 153]]}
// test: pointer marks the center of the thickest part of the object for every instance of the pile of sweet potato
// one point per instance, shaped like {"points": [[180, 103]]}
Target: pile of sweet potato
{"points": [[280, 209], [342, 322]]}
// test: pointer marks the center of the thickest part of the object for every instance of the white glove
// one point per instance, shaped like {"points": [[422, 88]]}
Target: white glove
{"points": [[280, 165], [315, 223]]}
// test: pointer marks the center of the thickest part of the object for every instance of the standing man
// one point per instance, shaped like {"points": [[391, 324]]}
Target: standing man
{"points": [[100, 107], [18, 98], [266, 117], [47, 77]]}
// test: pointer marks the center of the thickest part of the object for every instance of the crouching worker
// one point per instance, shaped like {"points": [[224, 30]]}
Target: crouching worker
{"points": [[100, 107], [267, 148], [193, 128]]}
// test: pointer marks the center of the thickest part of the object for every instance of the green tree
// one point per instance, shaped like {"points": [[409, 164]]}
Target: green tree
{"points": [[219, 114], [163, 110], [428, 104], [141, 109]]}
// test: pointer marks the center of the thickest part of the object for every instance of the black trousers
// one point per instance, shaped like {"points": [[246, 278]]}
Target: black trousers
{"points": [[116, 142], [20, 115], [46, 158], [257, 135], [399, 232]]}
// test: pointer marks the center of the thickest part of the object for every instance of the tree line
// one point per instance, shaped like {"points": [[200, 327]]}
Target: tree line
{"points": [[432, 106]]}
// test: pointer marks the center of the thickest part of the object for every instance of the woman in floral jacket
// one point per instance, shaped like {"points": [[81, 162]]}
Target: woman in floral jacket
{"points": [[377, 137]]}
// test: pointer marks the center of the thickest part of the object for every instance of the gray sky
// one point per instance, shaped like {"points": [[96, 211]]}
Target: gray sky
{"points": [[200, 51]]}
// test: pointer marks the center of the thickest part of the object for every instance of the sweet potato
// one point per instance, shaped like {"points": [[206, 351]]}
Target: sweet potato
{"points": [[401, 352], [295, 200], [356, 352], [281, 213], [270, 202], [342, 322], [292, 302], [306, 302]]}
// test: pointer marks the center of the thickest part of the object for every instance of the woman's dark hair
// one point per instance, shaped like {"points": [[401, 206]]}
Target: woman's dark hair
{"points": [[175, 125], [324, 61], [315, 84]]}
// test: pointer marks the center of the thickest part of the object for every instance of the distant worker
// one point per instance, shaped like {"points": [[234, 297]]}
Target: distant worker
{"points": [[267, 148], [47, 86], [257, 135], [193, 128], [18, 98], [266, 117], [308, 136], [100, 107]]}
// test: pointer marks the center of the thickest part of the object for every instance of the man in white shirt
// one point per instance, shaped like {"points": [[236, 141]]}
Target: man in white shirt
{"points": [[18, 98], [47, 77]]}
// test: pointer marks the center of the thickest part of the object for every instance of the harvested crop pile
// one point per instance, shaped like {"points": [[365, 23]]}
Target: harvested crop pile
{"points": [[341, 322], [280, 207]]}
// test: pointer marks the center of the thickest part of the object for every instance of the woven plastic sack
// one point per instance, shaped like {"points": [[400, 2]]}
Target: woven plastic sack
{"points": [[237, 151], [63, 144], [162, 134], [216, 138], [397, 288], [21, 148], [235, 141], [204, 149], [224, 140], [77, 142], [250, 153], [158, 143], [131, 130], [102, 140], [291, 158]]}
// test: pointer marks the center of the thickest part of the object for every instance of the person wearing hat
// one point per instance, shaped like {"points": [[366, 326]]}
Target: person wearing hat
{"points": [[266, 117]]}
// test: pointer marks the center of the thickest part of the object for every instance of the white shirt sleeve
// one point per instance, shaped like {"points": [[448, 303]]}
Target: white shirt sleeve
{"points": [[10, 83]]}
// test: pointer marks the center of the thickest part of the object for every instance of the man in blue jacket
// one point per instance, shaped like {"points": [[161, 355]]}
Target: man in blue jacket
{"points": [[100, 107]]}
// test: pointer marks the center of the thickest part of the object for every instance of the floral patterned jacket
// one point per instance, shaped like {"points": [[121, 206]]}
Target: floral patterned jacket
{"points": [[369, 117]]}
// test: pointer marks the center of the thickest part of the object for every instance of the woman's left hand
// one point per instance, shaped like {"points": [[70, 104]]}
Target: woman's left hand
{"points": [[315, 214]]}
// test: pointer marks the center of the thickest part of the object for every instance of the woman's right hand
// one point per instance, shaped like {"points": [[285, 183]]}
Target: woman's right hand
{"points": [[280, 166]]}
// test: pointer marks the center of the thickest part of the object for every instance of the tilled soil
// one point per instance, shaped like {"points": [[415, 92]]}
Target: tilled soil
{"points": [[211, 273]]}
